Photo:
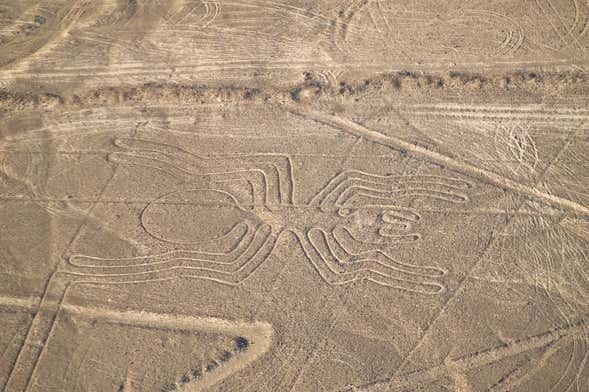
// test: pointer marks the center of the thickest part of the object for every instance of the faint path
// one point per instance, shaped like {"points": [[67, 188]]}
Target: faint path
{"points": [[260, 334], [435, 157]]}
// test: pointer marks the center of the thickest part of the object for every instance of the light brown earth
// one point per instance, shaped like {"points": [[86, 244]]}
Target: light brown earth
{"points": [[274, 195]]}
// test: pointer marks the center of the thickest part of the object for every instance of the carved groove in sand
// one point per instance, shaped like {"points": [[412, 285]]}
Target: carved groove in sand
{"points": [[341, 230], [571, 336], [206, 11], [220, 238], [38, 27], [373, 24], [253, 339]]}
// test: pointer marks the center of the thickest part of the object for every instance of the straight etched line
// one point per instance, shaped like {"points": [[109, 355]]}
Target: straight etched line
{"points": [[260, 333], [460, 287], [489, 356], [435, 157]]}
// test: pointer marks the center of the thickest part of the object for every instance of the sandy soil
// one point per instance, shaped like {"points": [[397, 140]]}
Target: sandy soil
{"points": [[346, 195]]}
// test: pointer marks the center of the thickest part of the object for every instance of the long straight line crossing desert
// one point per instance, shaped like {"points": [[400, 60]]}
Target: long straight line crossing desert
{"points": [[294, 195]]}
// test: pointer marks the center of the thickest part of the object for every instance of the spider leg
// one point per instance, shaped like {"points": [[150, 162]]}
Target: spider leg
{"points": [[278, 168], [143, 145], [374, 259], [269, 175], [388, 196], [350, 181], [243, 232], [230, 272], [154, 161], [174, 265], [245, 266], [256, 177], [326, 258], [275, 169], [186, 173]]}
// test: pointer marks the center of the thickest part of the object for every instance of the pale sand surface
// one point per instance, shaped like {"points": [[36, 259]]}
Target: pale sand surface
{"points": [[256, 195]]}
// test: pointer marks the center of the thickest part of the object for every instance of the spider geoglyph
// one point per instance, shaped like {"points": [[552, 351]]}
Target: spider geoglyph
{"points": [[341, 229]]}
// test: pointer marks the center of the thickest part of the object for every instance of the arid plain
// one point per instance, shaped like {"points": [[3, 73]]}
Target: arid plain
{"points": [[257, 195]]}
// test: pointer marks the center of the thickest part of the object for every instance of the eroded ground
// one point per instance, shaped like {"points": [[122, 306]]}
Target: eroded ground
{"points": [[294, 196]]}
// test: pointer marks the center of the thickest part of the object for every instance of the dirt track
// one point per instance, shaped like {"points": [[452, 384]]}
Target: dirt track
{"points": [[257, 195]]}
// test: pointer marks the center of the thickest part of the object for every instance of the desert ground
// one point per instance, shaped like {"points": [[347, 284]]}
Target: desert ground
{"points": [[294, 195]]}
